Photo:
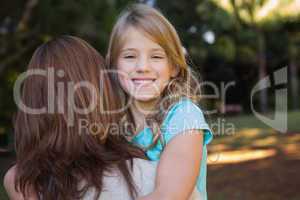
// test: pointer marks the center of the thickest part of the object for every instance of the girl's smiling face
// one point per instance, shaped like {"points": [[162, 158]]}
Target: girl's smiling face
{"points": [[143, 66]]}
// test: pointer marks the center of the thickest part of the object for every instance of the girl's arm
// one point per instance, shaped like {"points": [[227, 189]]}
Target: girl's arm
{"points": [[178, 167]]}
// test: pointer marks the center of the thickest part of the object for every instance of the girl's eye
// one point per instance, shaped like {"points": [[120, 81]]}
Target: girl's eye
{"points": [[158, 57], [129, 56]]}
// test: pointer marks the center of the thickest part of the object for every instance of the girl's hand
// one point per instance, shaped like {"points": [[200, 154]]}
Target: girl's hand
{"points": [[9, 185]]}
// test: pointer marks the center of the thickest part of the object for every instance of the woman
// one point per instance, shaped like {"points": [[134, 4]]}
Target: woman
{"points": [[61, 154]]}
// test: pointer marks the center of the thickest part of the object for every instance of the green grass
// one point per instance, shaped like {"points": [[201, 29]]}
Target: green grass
{"points": [[272, 173], [250, 121], [293, 121]]}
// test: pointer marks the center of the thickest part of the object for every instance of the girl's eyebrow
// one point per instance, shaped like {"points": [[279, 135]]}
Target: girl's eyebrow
{"points": [[129, 49]]}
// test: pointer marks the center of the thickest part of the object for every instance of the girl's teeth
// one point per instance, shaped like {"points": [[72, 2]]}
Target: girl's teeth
{"points": [[142, 81]]}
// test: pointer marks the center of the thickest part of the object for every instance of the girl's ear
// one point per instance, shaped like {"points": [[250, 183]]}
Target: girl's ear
{"points": [[175, 71]]}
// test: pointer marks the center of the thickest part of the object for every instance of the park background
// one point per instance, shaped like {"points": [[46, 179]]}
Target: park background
{"points": [[240, 41]]}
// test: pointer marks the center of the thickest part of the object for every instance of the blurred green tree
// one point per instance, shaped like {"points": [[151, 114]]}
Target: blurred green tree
{"points": [[228, 40]]}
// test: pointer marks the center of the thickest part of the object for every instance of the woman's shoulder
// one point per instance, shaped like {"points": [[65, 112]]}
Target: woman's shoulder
{"points": [[115, 187], [140, 168]]}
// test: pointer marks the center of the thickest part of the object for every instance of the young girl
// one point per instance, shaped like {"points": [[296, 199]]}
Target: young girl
{"points": [[159, 88], [63, 157]]}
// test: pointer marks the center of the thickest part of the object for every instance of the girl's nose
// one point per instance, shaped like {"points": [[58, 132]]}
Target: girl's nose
{"points": [[142, 64]]}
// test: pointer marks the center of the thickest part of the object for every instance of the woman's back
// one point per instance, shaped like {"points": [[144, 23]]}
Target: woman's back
{"points": [[57, 144], [115, 187], [143, 174]]}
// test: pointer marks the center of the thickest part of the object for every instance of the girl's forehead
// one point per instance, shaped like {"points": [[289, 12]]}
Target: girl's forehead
{"points": [[136, 38]]}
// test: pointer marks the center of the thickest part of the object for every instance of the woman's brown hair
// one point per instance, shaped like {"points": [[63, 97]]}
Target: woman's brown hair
{"points": [[54, 157]]}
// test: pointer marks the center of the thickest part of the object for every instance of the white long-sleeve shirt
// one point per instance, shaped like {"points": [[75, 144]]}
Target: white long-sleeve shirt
{"points": [[143, 174]]}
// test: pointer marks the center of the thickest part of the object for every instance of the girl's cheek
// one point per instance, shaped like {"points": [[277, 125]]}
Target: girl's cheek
{"points": [[125, 82], [125, 70]]}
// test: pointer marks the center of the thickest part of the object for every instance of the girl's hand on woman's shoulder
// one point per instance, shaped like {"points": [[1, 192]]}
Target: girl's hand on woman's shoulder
{"points": [[9, 185]]}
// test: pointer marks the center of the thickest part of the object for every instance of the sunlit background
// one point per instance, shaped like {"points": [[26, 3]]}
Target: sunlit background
{"points": [[234, 43]]}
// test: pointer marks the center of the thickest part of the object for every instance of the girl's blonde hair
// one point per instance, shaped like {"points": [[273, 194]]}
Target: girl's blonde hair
{"points": [[156, 27]]}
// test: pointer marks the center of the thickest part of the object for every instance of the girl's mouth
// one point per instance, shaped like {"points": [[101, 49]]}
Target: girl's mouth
{"points": [[143, 81]]}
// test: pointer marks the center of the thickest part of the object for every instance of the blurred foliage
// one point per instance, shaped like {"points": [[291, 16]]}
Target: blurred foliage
{"points": [[222, 37]]}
